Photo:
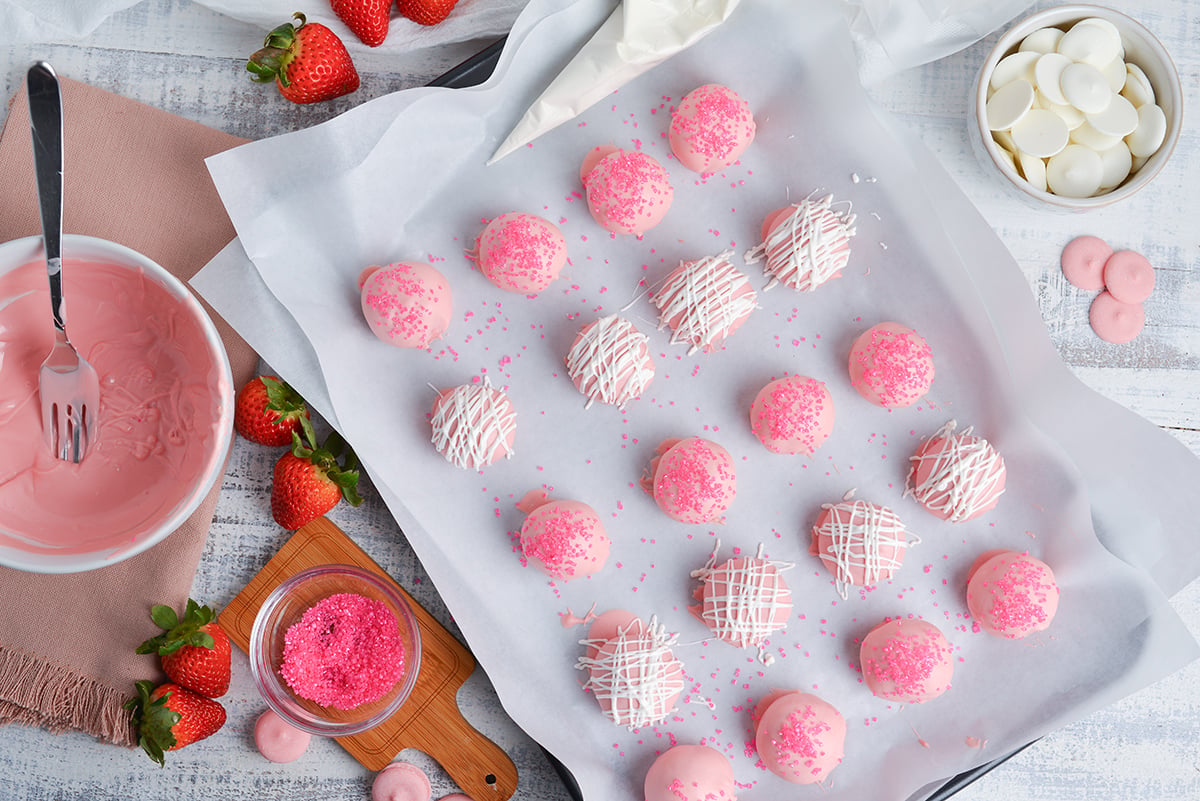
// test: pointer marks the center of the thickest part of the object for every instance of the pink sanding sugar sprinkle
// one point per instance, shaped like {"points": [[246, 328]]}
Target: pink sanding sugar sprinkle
{"points": [[562, 542], [908, 662], [800, 739], [344, 651], [1020, 596], [896, 365]]}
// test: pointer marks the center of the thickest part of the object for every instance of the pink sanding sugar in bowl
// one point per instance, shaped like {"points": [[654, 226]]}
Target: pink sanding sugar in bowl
{"points": [[343, 652]]}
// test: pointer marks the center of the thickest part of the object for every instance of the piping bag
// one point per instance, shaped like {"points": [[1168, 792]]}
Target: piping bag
{"points": [[638, 35]]}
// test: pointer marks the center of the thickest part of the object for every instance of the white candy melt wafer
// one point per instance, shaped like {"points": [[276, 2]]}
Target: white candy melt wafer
{"points": [[1150, 132], [1040, 133], [1009, 104], [1076, 171]]}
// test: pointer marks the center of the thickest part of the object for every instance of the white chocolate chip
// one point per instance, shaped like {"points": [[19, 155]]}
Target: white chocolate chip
{"points": [[1116, 164], [1150, 132], [1119, 119], [1009, 104], [1086, 88], [1040, 133], [1076, 171], [1138, 90], [1015, 67], [1034, 170], [1047, 73]]}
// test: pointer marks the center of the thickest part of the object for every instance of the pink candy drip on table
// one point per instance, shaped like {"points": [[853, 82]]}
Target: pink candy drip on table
{"points": [[157, 420], [344, 651]]}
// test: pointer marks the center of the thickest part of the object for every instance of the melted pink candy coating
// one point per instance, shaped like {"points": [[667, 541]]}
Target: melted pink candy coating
{"points": [[694, 480], [792, 415], [711, 128], [1011, 594], [891, 365], [860, 543], [277, 740], [1083, 261], [1128, 276], [521, 252], [401, 781], [800, 737], [908, 661], [690, 773], [473, 425], [407, 304], [628, 192], [956, 476], [158, 415], [1114, 321], [565, 539], [744, 600], [343, 652]]}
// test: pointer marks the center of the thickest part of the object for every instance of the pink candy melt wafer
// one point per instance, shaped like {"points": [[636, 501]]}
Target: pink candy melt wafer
{"points": [[1114, 321], [1083, 261], [401, 781], [1128, 276]]}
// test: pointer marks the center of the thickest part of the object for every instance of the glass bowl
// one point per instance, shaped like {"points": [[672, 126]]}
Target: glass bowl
{"points": [[166, 407], [1141, 48], [285, 606]]}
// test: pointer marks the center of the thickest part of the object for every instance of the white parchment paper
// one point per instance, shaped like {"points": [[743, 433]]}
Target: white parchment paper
{"points": [[404, 177]]}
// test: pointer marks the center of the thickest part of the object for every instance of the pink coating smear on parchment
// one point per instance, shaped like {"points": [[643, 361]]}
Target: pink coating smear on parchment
{"points": [[158, 417], [343, 652]]}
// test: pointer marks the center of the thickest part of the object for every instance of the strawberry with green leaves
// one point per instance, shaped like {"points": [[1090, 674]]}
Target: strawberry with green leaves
{"points": [[194, 650], [268, 411], [169, 717], [426, 12], [368, 19], [308, 62], [310, 480]]}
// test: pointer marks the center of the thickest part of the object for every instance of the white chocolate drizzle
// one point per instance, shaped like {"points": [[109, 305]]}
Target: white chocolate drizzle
{"points": [[638, 680], [964, 472], [472, 425], [704, 300], [859, 532], [754, 596], [610, 362], [807, 246]]}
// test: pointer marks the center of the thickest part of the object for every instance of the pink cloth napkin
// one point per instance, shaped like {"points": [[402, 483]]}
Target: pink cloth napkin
{"points": [[134, 175]]}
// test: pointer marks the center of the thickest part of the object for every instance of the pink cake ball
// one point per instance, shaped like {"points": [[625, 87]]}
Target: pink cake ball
{"points": [[800, 737], [805, 245], [473, 425], [956, 476], [565, 539], [792, 415], [744, 599], [891, 365], [401, 781], [690, 773], [693, 480], [521, 252], [908, 661], [628, 192], [860, 543], [277, 740], [704, 301], [406, 304], [710, 128], [1011, 594], [632, 672], [610, 361]]}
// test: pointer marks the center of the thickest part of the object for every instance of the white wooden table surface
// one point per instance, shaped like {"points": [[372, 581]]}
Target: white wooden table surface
{"points": [[184, 58]]}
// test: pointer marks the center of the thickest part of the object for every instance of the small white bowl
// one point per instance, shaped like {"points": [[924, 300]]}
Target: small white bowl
{"points": [[1141, 48], [82, 500]]}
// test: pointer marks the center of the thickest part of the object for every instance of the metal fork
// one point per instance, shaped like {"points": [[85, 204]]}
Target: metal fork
{"points": [[67, 384]]}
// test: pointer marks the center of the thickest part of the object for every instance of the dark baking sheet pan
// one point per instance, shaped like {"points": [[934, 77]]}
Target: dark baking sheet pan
{"points": [[474, 71]]}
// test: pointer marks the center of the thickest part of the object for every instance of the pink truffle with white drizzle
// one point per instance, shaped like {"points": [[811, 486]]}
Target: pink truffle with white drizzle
{"points": [[710, 128], [628, 192], [610, 361], [743, 600], [805, 245], [956, 476], [704, 301], [861, 543], [473, 425]]}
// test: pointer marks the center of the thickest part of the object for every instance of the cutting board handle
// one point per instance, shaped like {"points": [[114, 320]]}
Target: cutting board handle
{"points": [[479, 767]]}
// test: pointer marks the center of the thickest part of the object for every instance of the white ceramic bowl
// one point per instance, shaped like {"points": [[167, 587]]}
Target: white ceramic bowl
{"points": [[98, 528], [1141, 48]]}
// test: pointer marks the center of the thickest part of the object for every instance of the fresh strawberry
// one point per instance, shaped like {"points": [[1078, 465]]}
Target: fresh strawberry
{"points": [[368, 19], [268, 411], [309, 480], [194, 651], [426, 12], [308, 62], [168, 717]]}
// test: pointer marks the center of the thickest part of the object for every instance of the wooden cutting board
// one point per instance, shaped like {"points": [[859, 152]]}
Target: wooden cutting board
{"points": [[429, 720]]}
